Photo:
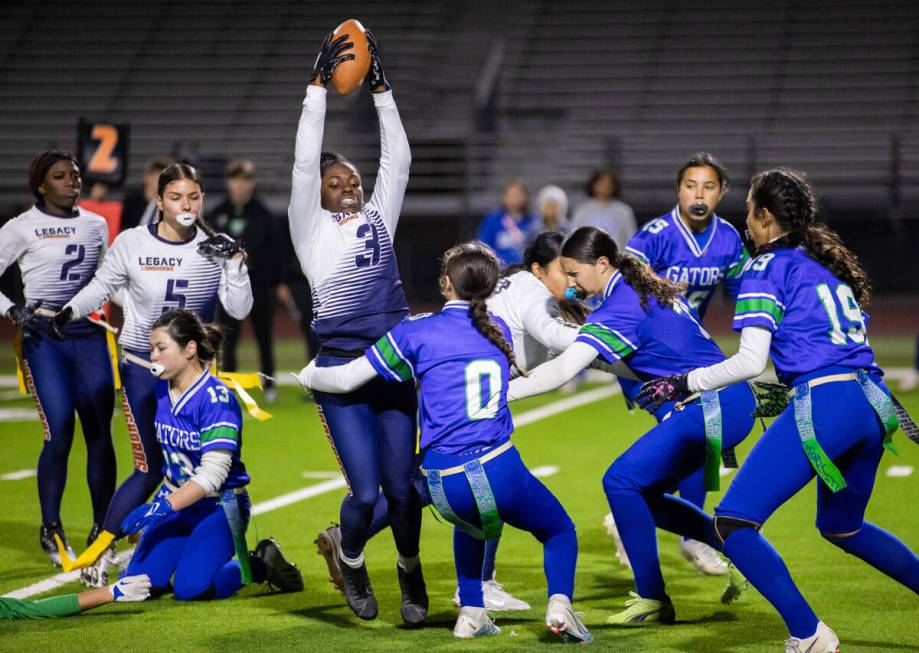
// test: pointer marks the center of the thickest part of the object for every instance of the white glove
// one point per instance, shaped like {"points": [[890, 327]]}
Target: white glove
{"points": [[131, 588]]}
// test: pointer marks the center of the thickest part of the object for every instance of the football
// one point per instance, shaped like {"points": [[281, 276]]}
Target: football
{"points": [[349, 74]]}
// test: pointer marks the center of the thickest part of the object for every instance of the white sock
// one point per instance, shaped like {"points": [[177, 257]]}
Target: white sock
{"points": [[408, 565], [354, 563]]}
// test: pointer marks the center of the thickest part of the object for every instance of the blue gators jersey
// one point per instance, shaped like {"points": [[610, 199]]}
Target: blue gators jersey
{"points": [[813, 316], [205, 418], [463, 377], [701, 261], [660, 341]]}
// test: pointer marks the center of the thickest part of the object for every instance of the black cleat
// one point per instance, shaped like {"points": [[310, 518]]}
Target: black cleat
{"points": [[414, 596], [46, 537], [280, 573], [328, 545], [358, 592], [93, 534]]}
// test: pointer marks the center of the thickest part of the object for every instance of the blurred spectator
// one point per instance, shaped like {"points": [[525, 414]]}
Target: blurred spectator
{"points": [[140, 203], [604, 210], [552, 209], [509, 228], [98, 202], [242, 215]]}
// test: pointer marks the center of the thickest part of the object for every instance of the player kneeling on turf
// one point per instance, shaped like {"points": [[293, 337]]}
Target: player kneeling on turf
{"points": [[198, 519]]}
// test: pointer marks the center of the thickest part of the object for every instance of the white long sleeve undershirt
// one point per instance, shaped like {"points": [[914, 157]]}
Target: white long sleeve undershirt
{"points": [[749, 362], [337, 379], [213, 470], [553, 373]]}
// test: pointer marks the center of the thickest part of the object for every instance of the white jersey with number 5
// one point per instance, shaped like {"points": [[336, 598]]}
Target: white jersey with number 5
{"points": [[158, 275], [57, 255]]}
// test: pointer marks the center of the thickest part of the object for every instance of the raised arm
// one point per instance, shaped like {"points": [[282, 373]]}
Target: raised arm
{"points": [[395, 160]]}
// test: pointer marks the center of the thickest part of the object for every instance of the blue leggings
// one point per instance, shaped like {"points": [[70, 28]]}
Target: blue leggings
{"points": [[373, 432], [638, 482], [72, 376], [777, 468], [194, 548], [138, 400], [691, 488], [524, 503]]}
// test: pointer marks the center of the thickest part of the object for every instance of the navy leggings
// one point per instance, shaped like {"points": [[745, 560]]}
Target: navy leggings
{"points": [[70, 377], [373, 432], [138, 400]]}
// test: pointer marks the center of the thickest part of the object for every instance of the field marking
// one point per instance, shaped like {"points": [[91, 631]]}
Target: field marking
{"points": [[18, 415], [321, 474], [19, 475], [336, 483], [899, 471], [544, 470]]}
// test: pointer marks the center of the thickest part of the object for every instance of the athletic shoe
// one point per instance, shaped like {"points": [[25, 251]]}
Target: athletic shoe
{"points": [[910, 381], [822, 641], [610, 525], [46, 537], [414, 595], [497, 599], [474, 622], [737, 585], [641, 611], [328, 545], [703, 557], [93, 534], [358, 592], [280, 573], [562, 620], [270, 394], [104, 569]]}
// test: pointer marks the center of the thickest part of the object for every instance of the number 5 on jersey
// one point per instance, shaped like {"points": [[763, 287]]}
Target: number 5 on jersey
{"points": [[481, 374]]}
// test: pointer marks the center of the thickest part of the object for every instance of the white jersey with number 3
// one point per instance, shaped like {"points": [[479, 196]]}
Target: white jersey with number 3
{"points": [[158, 275], [57, 255]]}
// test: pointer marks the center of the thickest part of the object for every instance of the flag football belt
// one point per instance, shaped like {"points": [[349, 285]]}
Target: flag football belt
{"points": [[714, 454], [230, 503], [481, 492], [882, 404]]}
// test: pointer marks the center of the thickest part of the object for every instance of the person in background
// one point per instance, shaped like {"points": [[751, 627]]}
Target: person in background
{"points": [[509, 228], [100, 204], [604, 209], [552, 209], [139, 205], [243, 216]]}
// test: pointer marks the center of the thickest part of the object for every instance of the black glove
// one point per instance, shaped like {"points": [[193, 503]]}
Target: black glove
{"points": [[375, 76], [659, 391], [220, 246], [330, 55], [24, 317], [771, 399], [58, 321]]}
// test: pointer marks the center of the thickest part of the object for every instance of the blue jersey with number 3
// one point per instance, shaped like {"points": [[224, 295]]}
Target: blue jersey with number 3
{"points": [[813, 316], [463, 377], [205, 418]]}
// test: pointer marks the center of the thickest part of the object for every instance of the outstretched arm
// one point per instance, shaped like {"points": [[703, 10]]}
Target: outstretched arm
{"points": [[553, 373], [305, 210], [749, 362], [338, 379]]}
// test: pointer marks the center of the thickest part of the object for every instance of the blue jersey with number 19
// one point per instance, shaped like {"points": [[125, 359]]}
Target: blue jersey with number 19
{"points": [[463, 377], [205, 418], [813, 316]]}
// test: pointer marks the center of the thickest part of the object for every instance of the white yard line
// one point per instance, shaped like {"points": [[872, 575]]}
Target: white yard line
{"points": [[899, 471], [337, 483], [18, 475]]}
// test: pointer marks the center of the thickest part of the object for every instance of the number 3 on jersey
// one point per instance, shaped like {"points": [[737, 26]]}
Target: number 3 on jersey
{"points": [[844, 299], [478, 374]]}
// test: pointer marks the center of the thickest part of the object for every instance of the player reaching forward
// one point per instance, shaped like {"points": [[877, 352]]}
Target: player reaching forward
{"points": [[58, 247], [800, 303], [475, 476], [345, 248]]}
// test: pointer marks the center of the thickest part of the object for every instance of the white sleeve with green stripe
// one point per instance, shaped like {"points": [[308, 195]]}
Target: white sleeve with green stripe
{"points": [[610, 343], [390, 360]]}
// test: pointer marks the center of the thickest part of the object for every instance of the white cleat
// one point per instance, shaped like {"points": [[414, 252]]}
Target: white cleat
{"points": [[610, 525], [703, 557], [562, 620], [101, 571], [822, 641], [497, 599], [474, 622]]}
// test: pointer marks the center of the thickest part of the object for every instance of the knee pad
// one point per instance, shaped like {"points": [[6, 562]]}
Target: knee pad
{"points": [[724, 526]]}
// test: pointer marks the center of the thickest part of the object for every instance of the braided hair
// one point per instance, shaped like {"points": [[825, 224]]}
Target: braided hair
{"points": [[587, 244], [473, 270], [791, 201]]}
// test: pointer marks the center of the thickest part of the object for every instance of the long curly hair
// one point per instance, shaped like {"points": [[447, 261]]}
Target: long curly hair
{"points": [[793, 204], [473, 271], [587, 244]]}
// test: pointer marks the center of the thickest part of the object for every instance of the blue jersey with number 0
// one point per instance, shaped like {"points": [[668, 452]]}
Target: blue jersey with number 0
{"points": [[813, 316], [463, 377], [659, 341], [701, 261], [205, 418]]}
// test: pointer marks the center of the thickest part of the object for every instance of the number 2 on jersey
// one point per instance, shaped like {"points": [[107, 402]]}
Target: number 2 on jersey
{"points": [[477, 374], [850, 310], [78, 252]]}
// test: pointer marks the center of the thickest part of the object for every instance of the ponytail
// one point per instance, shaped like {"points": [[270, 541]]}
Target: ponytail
{"points": [[484, 325], [826, 247]]}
